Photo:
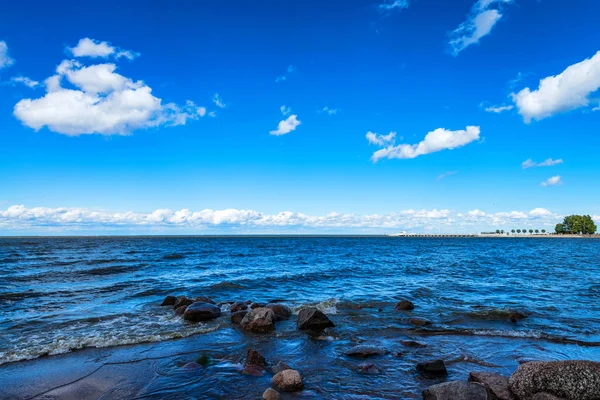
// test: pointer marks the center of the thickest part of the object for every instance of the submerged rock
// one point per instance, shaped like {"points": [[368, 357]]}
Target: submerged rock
{"points": [[365, 351], [313, 318], [169, 301], [572, 380], [412, 343], [288, 380], [432, 368], [271, 394], [199, 311], [404, 305], [238, 316], [259, 320], [496, 385], [419, 322], [182, 301], [368, 369], [281, 310], [280, 366], [238, 306], [455, 390]]}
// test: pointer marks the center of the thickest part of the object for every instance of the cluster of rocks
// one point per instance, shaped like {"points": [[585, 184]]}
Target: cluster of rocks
{"points": [[285, 379]]}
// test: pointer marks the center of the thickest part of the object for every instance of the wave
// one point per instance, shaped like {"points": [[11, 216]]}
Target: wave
{"points": [[174, 256], [227, 285]]}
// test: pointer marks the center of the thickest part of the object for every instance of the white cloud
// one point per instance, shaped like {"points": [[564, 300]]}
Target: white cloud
{"points": [[546, 163], [101, 101], [566, 91], [24, 80], [218, 101], [95, 49], [393, 5], [479, 23], [381, 140], [555, 180], [5, 60], [539, 212], [476, 213], [445, 175], [596, 218], [499, 109], [290, 70], [286, 126], [330, 111], [438, 140], [285, 110]]}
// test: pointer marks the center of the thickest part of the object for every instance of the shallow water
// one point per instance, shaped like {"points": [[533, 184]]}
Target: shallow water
{"points": [[58, 295]]}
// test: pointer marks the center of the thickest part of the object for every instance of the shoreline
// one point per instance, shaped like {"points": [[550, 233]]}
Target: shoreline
{"points": [[315, 236]]}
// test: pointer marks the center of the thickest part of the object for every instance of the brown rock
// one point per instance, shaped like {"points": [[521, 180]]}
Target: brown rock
{"points": [[419, 322], [238, 316], [204, 299], [169, 301], [182, 301], [198, 311], [432, 368], [288, 380], [271, 394], [255, 358], [281, 311], [280, 366], [238, 306], [368, 369], [181, 310], [456, 390], [259, 320], [412, 343], [404, 305], [256, 305], [496, 385], [365, 351], [312, 318]]}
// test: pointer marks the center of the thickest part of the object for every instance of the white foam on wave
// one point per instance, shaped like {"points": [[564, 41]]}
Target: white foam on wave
{"points": [[504, 333]]}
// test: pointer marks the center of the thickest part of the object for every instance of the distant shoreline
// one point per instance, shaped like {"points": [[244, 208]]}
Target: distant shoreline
{"points": [[395, 236]]}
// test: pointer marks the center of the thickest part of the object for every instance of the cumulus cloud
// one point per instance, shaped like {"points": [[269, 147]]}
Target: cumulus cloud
{"points": [[96, 49], [499, 109], [24, 80], [437, 140], [394, 5], [218, 101], [286, 126], [5, 60], [479, 23], [555, 180], [381, 140], [569, 90], [529, 163], [92, 99]]}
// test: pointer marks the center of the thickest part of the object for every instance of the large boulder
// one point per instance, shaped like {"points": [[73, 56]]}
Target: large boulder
{"points": [[288, 380], [312, 318], [456, 390], [169, 301], [281, 310], [199, 311], [572, 380], [433, 368], [404, 305], [365, 351], [496, 385], [259, 320]]}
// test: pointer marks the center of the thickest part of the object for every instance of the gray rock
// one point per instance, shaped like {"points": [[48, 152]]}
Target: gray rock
{"points": [[365, 351], [169, 301], [238, 316], [456, 390], [271, 394], [280, 366], [281, 310], [432, 368], [199, 311], [288, 380], [312, 318], [404, 305], [572, 380], [259, 320], [496, 385], [546, 396]]}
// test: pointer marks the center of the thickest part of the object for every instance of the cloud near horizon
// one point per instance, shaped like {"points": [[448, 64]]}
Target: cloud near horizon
{"points": [[549, 162]]}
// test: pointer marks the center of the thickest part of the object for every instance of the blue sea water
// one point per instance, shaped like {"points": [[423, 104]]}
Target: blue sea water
{"points": [[59, 295]]}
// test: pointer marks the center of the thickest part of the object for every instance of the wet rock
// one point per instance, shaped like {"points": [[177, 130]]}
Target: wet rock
{"points": [[257, 305], [281, 310], [419, 322], [365, 351], [432, 368], [280, 366], [169, 301], [313, 318], [199, 311], [182, 301], [455, 390], [238, 306], [180, 310], [204, 299], [546, 396], [515, 316], [569, 379], [404, 305], [238, 316], [368, 369], [259, 320], [253, 370], [255, 358], [412, 343], [288, 380], [271, 394], [496, 385]]}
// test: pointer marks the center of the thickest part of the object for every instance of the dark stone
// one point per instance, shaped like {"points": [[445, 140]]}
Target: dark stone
{"points": [[412, 343], [546, 396], [419, 322], [365, 351], [569, 379], [280, 366], [514, 316], [253, 370], [312, 318], [432, 368], [238, 316], [256, 305], [180, 310], [182, 301], [271, 394], [259, 320], [199, 311], [281, 311], [456, 390], [496, 385], [238, 306], [169, 301], [368, 369], [404, 305], [288, 380], [204, 299], [255, 358]]}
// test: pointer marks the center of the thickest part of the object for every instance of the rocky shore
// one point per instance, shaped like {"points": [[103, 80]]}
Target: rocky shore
{"points": [[533, 380]]}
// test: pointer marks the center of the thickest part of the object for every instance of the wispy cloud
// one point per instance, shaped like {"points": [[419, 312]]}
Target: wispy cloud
{"points": [[555, 180], [445, 175], [290, 70], [499, 109], [285, 110], [218, 101], [546, 163], [390, 5], [381, 140], [25, 81], [329, 111], [96, 49], [5, 59], [286, 126], [479, 23]]}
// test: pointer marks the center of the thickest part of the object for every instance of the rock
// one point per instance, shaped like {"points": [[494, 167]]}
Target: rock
{"points": [[191, 365], [432, 368], [569, 379], [455, 390], [271, 394], [256, 305], [281, 311], [182, 301], [169, 301], [280, 366], [368, 369], [259, 320], [546, 396], [312, 318], [288, 380], [412, 343], [238, 306], [201, 312], [204, 299], [365, 351], [253, 370], [255, 358], [514, 316], [238, 316], [404, 305], [180, 310], [419, 322], [496, 385]]}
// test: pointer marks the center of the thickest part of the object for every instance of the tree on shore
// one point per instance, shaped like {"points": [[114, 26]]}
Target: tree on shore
{"points": [[518, 231], [576, 224], [531, 231], [497, 231], [543, 231], [513, 231]]}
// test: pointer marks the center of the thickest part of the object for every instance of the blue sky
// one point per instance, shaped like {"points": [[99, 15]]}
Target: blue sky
{"points": [[297, 116]]}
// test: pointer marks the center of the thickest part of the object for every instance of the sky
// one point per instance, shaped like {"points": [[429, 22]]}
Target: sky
{"points": [[235, 117]]}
